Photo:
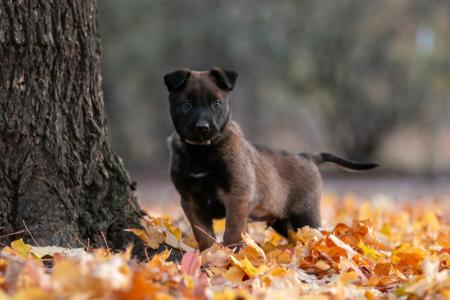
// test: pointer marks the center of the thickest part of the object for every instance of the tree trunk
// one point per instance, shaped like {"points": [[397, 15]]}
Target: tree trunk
{"points": [[59, 178]]}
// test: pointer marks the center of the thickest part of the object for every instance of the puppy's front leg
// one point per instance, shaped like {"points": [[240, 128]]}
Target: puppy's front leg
{"points": [[236, 220], [201, 224]]}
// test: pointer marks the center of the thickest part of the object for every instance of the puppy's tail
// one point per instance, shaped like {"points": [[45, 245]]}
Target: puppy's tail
{"points": [[319, 158]]}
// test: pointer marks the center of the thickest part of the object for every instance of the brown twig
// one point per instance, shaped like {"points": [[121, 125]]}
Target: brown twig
{"points": [[12, 233], [208, 235], [235, 244], [29, 232], [146, 254], [106, 242], [81, 243]]}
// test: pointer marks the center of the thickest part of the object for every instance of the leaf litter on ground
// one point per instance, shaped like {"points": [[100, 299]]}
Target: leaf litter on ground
{"points": [[366, 250]]}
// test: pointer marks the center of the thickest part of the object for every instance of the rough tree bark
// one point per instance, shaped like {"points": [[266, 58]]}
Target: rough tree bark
{"points": [[58, 174]]}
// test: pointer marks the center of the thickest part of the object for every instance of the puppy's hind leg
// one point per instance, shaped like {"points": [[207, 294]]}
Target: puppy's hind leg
{"points": [[305, 207], [305, 216], [299, 220]]}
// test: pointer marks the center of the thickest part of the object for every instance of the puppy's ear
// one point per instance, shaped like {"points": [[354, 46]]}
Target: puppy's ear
{"points": [[225, 79], [175, 80]]}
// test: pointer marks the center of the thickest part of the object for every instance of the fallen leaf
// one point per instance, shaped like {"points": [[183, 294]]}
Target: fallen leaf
{"points": [[247, 266]]}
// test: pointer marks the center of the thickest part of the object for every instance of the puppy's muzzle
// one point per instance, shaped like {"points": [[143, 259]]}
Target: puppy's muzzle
{"points": [[202, 127]]}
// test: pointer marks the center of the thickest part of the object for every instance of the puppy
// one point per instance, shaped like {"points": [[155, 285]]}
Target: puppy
{"points": [[218, 173]]}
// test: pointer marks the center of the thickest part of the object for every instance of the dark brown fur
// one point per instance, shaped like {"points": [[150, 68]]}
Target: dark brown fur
{"points": [[220, 174]]}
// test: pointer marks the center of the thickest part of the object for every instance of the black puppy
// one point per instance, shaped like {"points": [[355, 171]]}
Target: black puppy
{"points": [[218, 173]]}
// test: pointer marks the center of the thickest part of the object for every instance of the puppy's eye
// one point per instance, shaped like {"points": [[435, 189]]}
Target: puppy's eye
{"points": [[185, 106], [217, 104]]}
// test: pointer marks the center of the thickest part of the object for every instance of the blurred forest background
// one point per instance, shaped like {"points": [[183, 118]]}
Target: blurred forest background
{"points": [[369, 80]]}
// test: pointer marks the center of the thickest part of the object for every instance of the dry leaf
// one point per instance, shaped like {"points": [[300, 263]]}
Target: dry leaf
{"points": [[392, 249]]}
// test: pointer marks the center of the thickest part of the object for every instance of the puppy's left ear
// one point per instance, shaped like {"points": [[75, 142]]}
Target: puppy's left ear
{"points": [[175, 80], [225, 79]]}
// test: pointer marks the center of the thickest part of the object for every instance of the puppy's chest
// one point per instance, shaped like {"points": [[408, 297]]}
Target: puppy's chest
{"points": [[206, 179], [207, 188], [203, 168]]}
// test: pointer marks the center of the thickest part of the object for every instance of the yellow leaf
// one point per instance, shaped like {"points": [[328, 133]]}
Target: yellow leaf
{"points": [[278, 271], [365, 211], [20, 248], [190, 241], [273, 237], [247, 266], [284, 258], [171, 240], [369, 250], [253, 251], [408, 255], [3, 295], [348, 277], [430, 220], [369, 295], [446, 293], [281, 257], [140, 233], [31, 293], [163, 296], [159, 230], [152, 236], [219, 226], [172, 229], [234, 274], [386, 230], [68, 273], [158, 259]]}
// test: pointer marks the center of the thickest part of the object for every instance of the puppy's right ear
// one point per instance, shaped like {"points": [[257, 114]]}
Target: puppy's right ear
{"points": [[175, 80]]}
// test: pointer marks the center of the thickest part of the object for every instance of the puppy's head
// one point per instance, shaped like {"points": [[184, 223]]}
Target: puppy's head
{"points": [[199, 103]]}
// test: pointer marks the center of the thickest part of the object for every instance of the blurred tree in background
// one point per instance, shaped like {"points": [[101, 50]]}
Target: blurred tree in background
{"points": [[353, 77]]}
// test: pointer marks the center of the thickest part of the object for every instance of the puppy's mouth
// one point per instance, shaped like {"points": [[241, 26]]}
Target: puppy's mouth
{"points": [[203, 141]]}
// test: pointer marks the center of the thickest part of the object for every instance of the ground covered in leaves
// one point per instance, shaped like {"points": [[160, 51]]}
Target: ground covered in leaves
{"points": [[367, 250]]}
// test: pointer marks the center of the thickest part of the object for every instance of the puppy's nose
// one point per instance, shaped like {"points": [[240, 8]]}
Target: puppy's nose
{"points": [[202, 127]]}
